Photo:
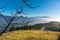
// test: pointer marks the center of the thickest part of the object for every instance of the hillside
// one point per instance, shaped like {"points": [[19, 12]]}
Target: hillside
{"points": [[30, 35], [52, 26]]}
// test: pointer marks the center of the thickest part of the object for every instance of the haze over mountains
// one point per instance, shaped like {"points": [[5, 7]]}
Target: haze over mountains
{"points": [[34, 20], [22, 19], [18, 21]]}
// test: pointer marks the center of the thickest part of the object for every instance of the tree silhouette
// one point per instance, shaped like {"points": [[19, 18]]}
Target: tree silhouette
{"points": [[19, 10]]}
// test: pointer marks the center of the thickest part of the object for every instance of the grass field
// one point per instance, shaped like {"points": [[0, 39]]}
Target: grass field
{"points": [[30, 35]]}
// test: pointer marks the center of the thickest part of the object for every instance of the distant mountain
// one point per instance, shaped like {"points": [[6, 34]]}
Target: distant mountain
{"points": [[52, 26], [42, 17], [34, 20], [21, 21]]}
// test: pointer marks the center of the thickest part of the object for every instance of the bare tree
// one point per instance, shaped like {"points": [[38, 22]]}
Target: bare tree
{"points": [[18, 11]]}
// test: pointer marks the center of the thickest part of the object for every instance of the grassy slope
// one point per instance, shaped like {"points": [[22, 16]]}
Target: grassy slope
{"points": [[30, 35]]}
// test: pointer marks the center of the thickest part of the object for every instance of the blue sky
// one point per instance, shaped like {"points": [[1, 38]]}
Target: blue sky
{"points": [[44, 7]]}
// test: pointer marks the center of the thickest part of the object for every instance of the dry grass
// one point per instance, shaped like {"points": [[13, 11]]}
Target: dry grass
{"points": [[30, 35]]}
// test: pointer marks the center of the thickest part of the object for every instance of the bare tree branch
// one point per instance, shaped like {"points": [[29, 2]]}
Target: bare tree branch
{"points": [[3, 7], [18, 11], [25, 1], [15, 15], [4, 17]]}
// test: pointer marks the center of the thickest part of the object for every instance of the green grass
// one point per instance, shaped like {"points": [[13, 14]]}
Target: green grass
{"points": [[30, 35]]}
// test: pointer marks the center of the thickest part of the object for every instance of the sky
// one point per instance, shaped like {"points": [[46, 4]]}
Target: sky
{"points": [[49, 8]]}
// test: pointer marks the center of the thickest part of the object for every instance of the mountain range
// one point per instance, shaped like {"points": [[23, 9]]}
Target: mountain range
{"points": [[21, 20]]}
